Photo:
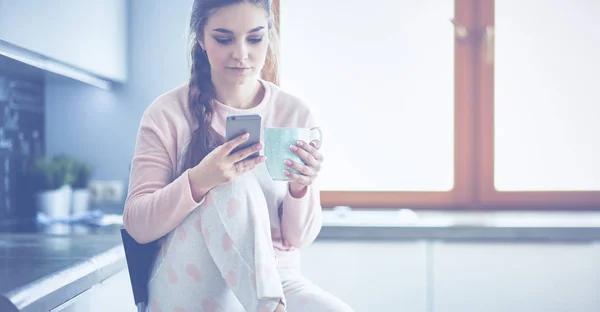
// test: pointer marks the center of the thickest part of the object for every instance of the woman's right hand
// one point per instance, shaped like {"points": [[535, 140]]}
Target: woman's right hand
{"points": [[219, 167]]}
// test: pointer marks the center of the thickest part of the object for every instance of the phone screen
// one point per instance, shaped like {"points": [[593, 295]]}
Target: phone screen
{"points": [[237, 125]]}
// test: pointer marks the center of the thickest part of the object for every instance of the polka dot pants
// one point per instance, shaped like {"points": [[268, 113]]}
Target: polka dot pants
{"points": [[221, 259]]}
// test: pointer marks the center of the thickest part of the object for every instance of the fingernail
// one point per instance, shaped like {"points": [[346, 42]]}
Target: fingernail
{"points": [[293, 148], [287, 162], [259, 146], [300, 143], [263, 158], [246, 135], [287, 173]]}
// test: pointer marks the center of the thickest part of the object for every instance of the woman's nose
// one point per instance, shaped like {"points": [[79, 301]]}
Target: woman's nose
{"points": [[240, 53]]}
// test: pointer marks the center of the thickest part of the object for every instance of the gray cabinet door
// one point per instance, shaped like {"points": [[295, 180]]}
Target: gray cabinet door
{"points": [[499, 277], [113, 294], [79, 303], [90, 35], [370, 275]]}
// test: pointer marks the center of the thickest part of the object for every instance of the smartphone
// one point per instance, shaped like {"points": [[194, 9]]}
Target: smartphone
{"points": [[237, 125]]}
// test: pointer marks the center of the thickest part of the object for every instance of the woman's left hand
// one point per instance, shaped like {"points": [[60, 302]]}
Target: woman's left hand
{"points": [[309, 153]]}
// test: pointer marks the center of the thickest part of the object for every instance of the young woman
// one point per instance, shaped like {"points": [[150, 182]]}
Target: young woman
{"points": [[230, 235]]}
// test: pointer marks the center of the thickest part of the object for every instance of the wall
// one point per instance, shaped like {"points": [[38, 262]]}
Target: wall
{"points": [[101, 126]]}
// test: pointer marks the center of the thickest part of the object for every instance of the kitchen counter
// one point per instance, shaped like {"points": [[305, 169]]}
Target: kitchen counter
{"points": [[345, 223], [43, 268]]}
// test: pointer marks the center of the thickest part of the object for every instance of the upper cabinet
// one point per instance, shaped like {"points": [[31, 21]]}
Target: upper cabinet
{"points": [[89, 35]]}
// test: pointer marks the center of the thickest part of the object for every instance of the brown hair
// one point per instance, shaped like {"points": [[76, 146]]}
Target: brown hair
{"points": [[201, 89]]}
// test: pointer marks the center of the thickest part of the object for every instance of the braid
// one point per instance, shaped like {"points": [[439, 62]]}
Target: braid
{"points": [[200, 98]]}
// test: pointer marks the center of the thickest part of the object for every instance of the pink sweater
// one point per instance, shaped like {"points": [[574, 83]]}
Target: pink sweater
{"points": [[159, 196]]}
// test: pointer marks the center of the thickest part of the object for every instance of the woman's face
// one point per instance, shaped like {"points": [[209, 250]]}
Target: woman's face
{"points": [[236, 42]]}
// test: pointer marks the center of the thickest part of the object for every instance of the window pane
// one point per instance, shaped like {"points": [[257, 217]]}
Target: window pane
{"points": [[547, 95], [379, 77]]}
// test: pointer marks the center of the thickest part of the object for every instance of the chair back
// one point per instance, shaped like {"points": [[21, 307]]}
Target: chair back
{"points": [[139, 259]]}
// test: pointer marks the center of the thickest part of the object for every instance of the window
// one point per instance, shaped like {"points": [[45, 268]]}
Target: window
{"points": [[540, 103], [425, 104]]}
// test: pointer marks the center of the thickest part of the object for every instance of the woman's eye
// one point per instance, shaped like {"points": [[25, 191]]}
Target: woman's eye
{"points": [[255, 39], [224, 40]]}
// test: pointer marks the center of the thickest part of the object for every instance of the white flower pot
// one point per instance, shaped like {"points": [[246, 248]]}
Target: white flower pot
{"points": [[81, 201], [56, 204]]}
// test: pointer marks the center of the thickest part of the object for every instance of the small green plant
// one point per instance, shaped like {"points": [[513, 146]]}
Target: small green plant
{"points": [[51, 173], [82, 173]]}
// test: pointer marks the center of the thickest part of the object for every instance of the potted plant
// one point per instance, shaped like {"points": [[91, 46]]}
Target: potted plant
{"points": [[82, 173], [51, 179]]}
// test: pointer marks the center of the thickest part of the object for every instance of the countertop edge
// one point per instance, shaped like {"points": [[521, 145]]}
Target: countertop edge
{"points": [[60, 287], [465, 233]]}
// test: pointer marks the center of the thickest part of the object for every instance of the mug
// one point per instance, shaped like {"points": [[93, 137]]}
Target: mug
{"points": [[277, 143]]}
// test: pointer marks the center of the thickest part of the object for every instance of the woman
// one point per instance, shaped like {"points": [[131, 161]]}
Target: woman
{"points": [[229, 234]]}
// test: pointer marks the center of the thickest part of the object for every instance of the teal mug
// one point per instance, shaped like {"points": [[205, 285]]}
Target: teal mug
{"points": [[277, 143]]}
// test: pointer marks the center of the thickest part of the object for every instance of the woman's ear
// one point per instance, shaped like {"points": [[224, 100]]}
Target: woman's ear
{"points": [[201, 45]]}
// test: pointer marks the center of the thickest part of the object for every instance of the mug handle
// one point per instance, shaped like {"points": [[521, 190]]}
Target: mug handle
{"points": [[318, 142]]}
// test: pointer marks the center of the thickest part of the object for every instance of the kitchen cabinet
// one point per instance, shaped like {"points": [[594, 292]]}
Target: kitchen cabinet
{"points": [[370, 275], [80, 303], [113, 294], [87, 35], [494, 277]]}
